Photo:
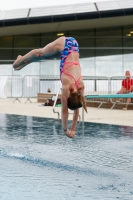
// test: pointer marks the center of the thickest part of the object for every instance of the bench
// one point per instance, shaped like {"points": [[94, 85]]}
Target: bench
{"points": [[42, 97]]}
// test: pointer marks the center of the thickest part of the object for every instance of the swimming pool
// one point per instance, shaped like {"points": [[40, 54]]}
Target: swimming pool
{"points": [[38, 162]]}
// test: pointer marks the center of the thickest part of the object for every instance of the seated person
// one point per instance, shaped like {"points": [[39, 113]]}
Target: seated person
{"points": [[127, 87], [49, 91]]}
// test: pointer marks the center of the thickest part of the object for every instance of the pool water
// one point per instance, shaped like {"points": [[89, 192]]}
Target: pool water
{"points": [[38, 162]]}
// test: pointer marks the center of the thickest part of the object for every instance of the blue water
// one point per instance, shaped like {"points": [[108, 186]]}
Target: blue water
{"points": [[38, 162]]}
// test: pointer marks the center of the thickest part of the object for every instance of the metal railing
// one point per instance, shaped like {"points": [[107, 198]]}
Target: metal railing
{"points": [[55, 101], [96, 85], [30, 85], [12, 86]]}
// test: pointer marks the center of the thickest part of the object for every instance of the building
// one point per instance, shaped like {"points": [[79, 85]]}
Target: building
{"points": [[104, 31]]}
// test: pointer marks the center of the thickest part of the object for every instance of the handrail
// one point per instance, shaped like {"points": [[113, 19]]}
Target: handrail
{"points": [[56, 97]]}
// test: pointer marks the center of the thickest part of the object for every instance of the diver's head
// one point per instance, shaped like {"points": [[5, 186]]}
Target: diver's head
{"points": [[75, 101]]}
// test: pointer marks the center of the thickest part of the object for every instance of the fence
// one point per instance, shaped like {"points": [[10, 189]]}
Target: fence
{"points": [[96, 85], [29, 86], [11, 86], [32, 85]]}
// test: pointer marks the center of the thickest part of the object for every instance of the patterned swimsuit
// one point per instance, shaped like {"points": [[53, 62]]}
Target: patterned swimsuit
{"points": [[70, 46]]}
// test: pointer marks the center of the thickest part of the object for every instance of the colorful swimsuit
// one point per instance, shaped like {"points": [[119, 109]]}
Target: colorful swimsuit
{"points": [[70, 46]]}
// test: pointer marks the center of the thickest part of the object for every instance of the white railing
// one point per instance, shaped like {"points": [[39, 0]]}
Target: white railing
{"points": [[29, 86]]}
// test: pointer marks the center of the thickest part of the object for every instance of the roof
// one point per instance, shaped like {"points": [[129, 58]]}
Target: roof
{"points": [[99, 8], [66, 14]]}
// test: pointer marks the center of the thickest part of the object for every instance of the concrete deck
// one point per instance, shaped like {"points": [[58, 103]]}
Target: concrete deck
{"points": [[102, 115]]}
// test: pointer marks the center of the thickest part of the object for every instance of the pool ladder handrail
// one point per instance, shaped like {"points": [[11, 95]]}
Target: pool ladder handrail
{"points": [[56, 97]]}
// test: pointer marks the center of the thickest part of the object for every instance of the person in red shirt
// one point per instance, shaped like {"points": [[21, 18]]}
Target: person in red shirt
{"points": [[127, 87]]}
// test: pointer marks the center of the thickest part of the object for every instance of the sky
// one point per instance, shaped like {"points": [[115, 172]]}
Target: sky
{"points": [[19, 4]]}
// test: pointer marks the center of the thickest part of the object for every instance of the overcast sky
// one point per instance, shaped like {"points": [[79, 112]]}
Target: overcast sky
{"points": [[16, 4]]}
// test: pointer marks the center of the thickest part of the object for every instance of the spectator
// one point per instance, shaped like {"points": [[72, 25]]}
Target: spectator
{"points": [[127, 87], [49, 91]]}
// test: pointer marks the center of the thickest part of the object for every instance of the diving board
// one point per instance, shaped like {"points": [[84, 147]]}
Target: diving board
{"points": [[108, 96]]}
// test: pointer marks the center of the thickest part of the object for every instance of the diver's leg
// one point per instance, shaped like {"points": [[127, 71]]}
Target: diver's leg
{"points": [[39, 54]]}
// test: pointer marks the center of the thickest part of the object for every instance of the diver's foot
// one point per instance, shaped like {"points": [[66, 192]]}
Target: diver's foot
{"points": [[21, 66], [15, 64]]}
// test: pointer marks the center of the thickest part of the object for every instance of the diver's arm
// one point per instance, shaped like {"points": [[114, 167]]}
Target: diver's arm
{"points": [[64, 97], [75, 119]]}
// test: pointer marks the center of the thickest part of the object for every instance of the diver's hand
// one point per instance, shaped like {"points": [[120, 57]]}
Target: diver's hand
{"points": [[70, 133]]}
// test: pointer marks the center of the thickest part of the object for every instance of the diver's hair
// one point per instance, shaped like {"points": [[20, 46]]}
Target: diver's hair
{"points": [[76, 100]]}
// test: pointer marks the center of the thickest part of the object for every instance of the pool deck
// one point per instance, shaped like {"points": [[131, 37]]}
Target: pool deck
{"points": [[101, 115]]}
